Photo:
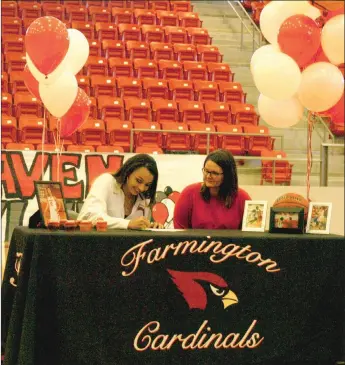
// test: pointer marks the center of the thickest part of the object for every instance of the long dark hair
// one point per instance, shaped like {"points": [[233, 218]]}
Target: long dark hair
{"points": [[229, 187], [134, 163]]}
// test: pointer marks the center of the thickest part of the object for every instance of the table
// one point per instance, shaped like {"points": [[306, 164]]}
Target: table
{"points": [[182, 297]]}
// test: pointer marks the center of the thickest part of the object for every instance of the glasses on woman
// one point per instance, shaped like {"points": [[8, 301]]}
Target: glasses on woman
{"points": [[212, 173]]}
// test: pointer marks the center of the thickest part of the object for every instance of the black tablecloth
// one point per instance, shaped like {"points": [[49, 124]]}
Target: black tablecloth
{"points": [[76, 301]]}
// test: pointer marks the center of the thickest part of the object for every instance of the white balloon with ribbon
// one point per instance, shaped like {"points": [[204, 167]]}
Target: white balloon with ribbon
{"points": [[59, 96], [332, 39], [267, 49]]}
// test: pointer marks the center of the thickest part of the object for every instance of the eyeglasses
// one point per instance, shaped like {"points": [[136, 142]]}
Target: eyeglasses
{"points": [[212, 173]]}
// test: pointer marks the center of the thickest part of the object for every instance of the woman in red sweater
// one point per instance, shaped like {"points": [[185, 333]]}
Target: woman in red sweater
{"points": [[217, 202]]}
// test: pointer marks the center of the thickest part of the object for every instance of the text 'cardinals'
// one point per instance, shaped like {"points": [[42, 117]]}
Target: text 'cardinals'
{"points": [[218, 251]]}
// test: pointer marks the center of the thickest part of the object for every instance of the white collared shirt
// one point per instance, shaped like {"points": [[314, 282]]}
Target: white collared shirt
{"points": [[106, 200]]}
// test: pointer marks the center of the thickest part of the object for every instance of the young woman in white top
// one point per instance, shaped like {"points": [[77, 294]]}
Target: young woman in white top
{"points": [[124, 199]]}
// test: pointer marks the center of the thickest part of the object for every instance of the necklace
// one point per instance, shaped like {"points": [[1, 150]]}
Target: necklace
{"points": [[129, 202]]}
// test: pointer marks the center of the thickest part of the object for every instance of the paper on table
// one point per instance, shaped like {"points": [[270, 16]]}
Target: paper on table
{"points": [[164, 230]]}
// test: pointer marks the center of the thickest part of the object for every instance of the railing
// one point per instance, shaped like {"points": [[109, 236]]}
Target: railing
{"points": [[208, 134], [255, 29], [324, 161], [327, 133]]}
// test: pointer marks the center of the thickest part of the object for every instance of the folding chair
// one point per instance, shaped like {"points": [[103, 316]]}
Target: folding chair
{"points": [[161, 51], [181, 89]]}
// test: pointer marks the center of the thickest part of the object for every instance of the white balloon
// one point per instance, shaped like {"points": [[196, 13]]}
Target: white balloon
{"points": [[280, 113], [332, 39], [267, 49], [277, 76], [171, 206], [40, 77], [313, 12], [60, 96], [322, 86]]}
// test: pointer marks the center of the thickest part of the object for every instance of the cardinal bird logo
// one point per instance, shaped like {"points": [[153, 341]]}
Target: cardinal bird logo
{"points": [[192, 286]]}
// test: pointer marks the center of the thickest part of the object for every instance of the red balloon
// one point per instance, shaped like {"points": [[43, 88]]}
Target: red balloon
{"points": [[300, 38], [318, 57], [46, 43], [160, 213], [174, 196], [76, 115], [336, 112], [31, 83]]}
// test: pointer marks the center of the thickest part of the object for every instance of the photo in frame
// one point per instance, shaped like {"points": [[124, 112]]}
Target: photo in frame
{"points": [[286, 220], [50, 201], [319, 218], [254, 217]]}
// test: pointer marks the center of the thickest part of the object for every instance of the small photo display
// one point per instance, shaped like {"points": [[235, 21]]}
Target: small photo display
{"points": [[254, 217], [50, 201], [319, 218], [287, 220]]}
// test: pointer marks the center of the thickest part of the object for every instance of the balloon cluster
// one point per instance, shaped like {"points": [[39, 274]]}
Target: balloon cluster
{"points": [[300, 68], [54, 55]]}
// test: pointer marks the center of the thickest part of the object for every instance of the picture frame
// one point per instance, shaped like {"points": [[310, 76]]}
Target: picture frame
{"points": [[254, 216], [319, 218], [50, 201], [286, 220]]}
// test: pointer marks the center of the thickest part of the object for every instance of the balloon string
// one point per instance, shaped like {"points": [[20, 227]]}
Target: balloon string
{"points": [[43, 140], [309, 152]]}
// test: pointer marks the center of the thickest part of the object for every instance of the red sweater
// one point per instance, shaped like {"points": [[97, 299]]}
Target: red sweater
{"points": [[191, 211]]}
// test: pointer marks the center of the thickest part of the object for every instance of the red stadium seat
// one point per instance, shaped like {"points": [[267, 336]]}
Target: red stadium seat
{"points": [[27, 104], [191, 111], [92, 133], [106, 31], [176, 34], [181, 89], [13, 43], [148, 138], [138, 109], [84, 83], [99, 14], [121, 67], [29, 10], [20, 146], [119, 133], [129, 32], [152, 33], [54, 125], [161, 51], [206, 90], [159, 5], [4, 82], [181, 5], [80, 149], [176, 141], [155, 88], [8, 129], [234, 143], [96, 66], [30, 129], [122, 16], [114, 48], [144, 16], [170, 69], [218, 112], [56, 10], [15, 61], [199, 36], [136, 49], [262, 141], [9, 9], [117, 3], [164, 111], [103, 85], [17, 82], [6, 103], [208, 53], [200, 140], [194, 70], [185, 52], [145, 68], [232, 92], [110, 149], [138, 4], [76, 13], [165, 18], [87, 28], [149, 150], [11, 25], [279, 172], [189, 19], [95, 47], [49, 147], [110, 107], [220, 72], [244, 114], [129, 87]]}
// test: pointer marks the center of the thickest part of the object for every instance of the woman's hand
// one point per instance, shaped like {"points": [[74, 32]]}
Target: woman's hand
{"points": [[156, 225], [139, 223]]}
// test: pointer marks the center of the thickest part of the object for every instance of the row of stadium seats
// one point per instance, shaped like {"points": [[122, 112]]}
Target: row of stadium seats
{"points": [[240, 139], [95, 14]]}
